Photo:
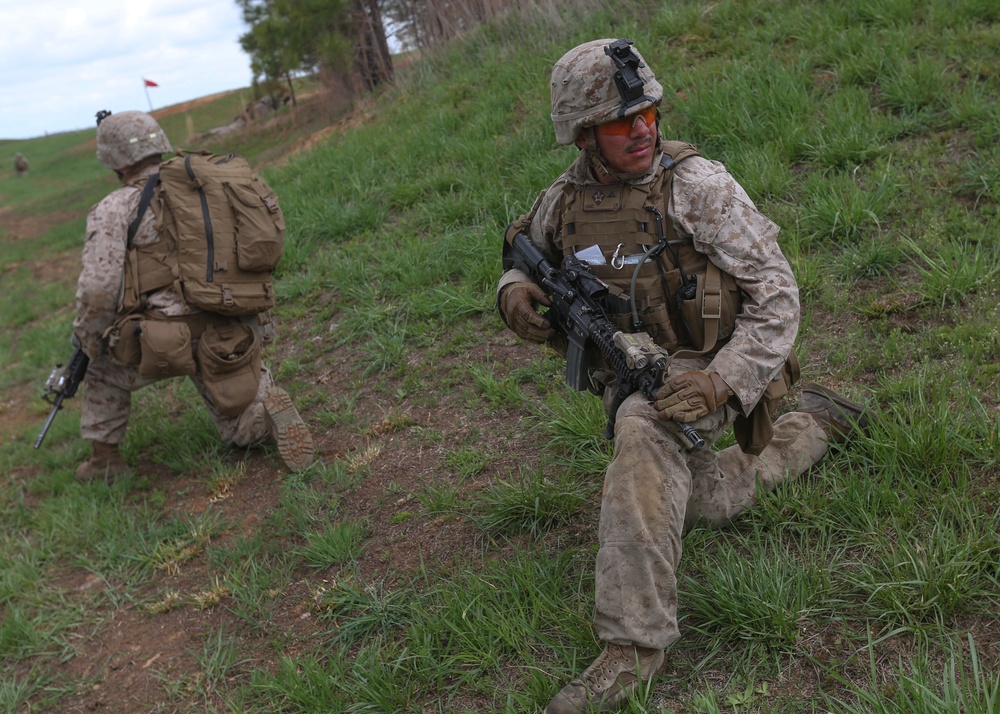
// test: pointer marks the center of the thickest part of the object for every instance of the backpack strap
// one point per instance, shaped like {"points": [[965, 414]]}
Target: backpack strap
{"points": [[144, 200]]}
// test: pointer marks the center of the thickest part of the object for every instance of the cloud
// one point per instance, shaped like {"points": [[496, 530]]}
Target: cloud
{"points": [[62, 60]]}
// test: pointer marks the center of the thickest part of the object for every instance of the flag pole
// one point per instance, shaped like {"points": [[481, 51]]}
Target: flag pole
{"points": [[145, 87]]}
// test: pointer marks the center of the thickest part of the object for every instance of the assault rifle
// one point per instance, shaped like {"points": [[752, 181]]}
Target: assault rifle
{"points": [[577, 296], [61, 385]]}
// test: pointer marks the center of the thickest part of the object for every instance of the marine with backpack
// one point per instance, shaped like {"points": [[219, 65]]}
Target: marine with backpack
{"points": [[221, 235], [177, 280]]}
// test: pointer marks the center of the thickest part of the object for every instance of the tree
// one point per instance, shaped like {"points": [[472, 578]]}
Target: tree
{"points": [[273, 56], [373, 59], [290, 36], [423, 23]]}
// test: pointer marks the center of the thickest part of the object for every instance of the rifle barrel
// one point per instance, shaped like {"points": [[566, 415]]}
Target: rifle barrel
{"points": [[57, 405]]}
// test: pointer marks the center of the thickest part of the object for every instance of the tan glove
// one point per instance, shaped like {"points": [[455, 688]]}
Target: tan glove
{"points": [[690, 396], [517, 303]]}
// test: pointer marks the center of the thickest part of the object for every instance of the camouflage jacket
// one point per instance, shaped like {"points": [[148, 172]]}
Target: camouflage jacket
{"points": [[709, 206], [99, 288]]}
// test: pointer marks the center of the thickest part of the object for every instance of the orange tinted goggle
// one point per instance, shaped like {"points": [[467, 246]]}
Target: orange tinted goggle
{"points": [[624, 125]]}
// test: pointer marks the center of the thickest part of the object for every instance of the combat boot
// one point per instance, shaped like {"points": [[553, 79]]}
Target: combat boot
{"points": [[295, 444], [606, 683], [105, 462], [837, 416]]}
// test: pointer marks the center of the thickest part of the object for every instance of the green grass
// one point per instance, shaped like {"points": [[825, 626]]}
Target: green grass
{"points": [[866, 130], [964, 685]]}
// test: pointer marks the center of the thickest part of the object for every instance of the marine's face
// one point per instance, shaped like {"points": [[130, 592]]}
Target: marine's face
{"points": [[628, 145]]}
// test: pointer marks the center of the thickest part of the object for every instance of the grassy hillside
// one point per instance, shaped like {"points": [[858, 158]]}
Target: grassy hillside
{"points": [[439, 557]]}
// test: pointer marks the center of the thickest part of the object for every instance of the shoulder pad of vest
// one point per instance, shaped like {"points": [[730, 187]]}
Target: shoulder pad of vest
{"points": [[675, 152]]}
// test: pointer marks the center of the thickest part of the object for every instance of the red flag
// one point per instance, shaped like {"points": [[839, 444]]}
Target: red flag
{"points": [[149, 83]]}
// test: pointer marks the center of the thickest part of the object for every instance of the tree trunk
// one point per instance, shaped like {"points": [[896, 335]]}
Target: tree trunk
{"points": [[374, 63]]}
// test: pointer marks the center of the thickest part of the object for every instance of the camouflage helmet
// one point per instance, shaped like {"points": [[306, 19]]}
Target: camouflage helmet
{"points": [[598, 81], [127, 138]]}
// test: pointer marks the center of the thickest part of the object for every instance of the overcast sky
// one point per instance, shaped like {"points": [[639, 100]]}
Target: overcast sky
{"points": [[63, 60]]}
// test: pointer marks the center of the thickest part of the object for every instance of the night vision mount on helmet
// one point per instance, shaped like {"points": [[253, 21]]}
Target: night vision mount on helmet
{"points": [[627, 80]]}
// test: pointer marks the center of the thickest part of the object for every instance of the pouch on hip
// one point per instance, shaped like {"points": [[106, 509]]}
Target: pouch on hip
{"points": [[229, 356], [124, 341], [166, 349]]}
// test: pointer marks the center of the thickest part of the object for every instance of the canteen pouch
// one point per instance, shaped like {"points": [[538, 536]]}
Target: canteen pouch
{"points": [[124, 341], [166, 349], [230, 356]]}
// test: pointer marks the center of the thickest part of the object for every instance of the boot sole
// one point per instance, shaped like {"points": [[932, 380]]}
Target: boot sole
{"points": [[295, 444]]}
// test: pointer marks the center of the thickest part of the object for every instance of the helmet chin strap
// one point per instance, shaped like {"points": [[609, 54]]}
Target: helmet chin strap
{"points": [[594, 157]]}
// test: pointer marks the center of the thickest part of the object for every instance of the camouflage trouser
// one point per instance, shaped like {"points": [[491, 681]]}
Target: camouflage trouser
{"points": [[655, 488], [107, 404]]}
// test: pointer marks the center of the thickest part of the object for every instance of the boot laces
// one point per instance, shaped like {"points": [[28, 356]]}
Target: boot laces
{"points": [[603, 673]]}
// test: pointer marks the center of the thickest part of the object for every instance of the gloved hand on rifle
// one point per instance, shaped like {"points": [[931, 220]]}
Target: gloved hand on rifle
{"points": [[690, 396], [517, 303]]}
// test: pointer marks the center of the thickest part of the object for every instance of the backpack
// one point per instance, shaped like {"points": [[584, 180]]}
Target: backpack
{"points": [[221, 232]]}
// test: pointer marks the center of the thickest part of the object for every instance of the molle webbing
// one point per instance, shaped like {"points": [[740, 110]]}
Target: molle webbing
{"points": [[615, 219], [620, 219], [220, 235]]}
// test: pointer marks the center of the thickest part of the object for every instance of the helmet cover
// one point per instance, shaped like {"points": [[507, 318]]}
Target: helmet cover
{"points": [[599, 81], [127, 138]]}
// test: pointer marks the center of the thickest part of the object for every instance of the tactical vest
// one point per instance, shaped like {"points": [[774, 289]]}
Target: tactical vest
{"points": [[685, 303], [221, 235]]}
